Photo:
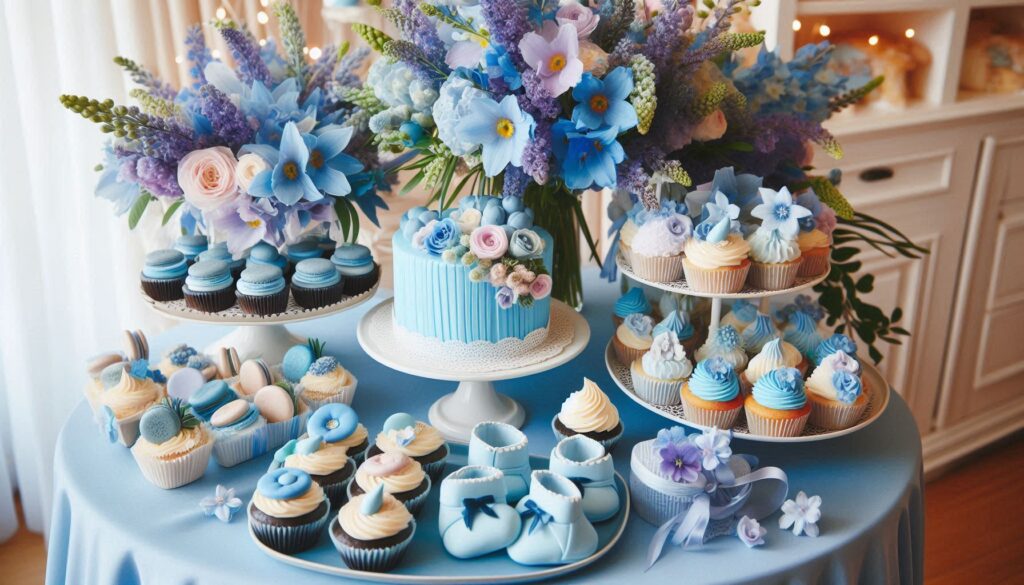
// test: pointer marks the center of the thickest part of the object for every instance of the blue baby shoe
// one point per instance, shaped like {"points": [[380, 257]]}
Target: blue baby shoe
{"points": [[501, 445], [555, 531], [585, 462], [474, 518]]}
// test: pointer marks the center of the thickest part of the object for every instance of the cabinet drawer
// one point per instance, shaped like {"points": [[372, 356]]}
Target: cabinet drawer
{"points": [[890, 179]]}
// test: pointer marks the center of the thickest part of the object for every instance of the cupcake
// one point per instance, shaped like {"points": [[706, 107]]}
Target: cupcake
{"points": [[210, 397], [316, 283], [265, 254], [326, 244], [288, 510], [632, 301], [777, 406], [405, 435], [669, 301], [740, 315], [657, 248], [173, 448], [774, 252], [303, 250], [802, 333], [191, 246], [815, 247], [104, 371], [716, 260], [328, 464], [836, 393], [261, 290], [209, 287], [626, 235], [124, 402], [679, 324], [837, 342], [338, 424], [163, 275], [233, 426], [356, 267], [176, 359], [326, 381], [658, 375], [401, 476], [711, 397], [633, 338], [759, 333], [774, 355], [219, 251], [589, 412], [724, 343], [372, 531]]}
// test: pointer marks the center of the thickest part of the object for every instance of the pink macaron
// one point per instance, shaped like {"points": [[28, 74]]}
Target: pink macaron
{"points": [[253, 375], [385, 464], [274, 403], [229, 413]]}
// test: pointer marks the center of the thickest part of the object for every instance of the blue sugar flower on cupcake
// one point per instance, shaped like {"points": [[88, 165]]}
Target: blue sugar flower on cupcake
{"points": [[658, 375], [316, 283], [724, 343], [288, 510], [163, 275], [209, 286], [633, 338], [176, 359], [632, 301], [741, 314], [836, 392], [679, 324], [262, 290], [742, 190], [777, 405], [837, 342], [356, 266], [774, 251]]}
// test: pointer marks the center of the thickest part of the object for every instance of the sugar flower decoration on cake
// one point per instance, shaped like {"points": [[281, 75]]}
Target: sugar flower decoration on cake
{"points": [[714, 443], [778, 212], [488, 242], [848, 386], [443, 235], [223, 504], [801, 514], [750, 532], [403, 436], [716, 209], [681, 462], [671, 435]]}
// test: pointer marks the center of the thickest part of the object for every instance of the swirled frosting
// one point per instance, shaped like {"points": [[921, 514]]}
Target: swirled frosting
{"points": [[633, 301], [775, 354], [758, 333], [330, 457], [589, 410], [326, 385], [186, 441], [837, 342], [771, 247], [725, 343], [355, 439], [392, 518], [677, 323], [132, 395], [825, 383], [636, 333], [802, 332], [628, 232], [666, 360], [405, 479], [290, 508], [710, 255], [812, 239], [781, 389], [714, 380], [426, 440]]}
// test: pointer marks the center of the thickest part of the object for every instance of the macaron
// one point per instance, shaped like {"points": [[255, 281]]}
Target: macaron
{"points": [[97, 363], [253, 375], [229, 365], [274, 403], [185, 382], [111, 374], [137, 345], [209, 397], [159, 424], [230, 412], [399, 421], [296, 362]]}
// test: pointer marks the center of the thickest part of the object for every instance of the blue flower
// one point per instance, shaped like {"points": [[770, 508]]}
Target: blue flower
{"points": [[741, 190], [113, 187], [444, 235], [500, 66], [411, 133], [223, 504], [778, 212], [328, 165], [603, 103], [714, 445], [676, 435], [505, 297], [287, 181], [502, 130], [108, 424], [809, 199], [588, 157]]}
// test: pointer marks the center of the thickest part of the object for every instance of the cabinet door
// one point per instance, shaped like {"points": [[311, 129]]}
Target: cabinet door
{"points": [[987, 347]]}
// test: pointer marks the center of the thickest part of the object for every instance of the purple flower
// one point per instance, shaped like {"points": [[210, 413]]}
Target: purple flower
{"points": [[681, 462], [536, 98], [555, 57], [246, 54], [158, 176], [230, 126], [667, 32], [535, 155], [676, 435], [750, 532], [515, 183], [245, 223], [678, 225], [505, 297], [198, 55], [508, 24]]}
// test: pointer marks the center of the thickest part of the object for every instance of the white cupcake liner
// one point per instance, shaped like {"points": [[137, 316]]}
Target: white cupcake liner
{"points": [[174, 473], [715, 280], [723, 419], [773, 276], [653, 390], [627, 251], [833, 415], [289, 539], [378, 560], [658, 268], [813, 265], [230, 451], [608, 444], [414, 505], [344, 396], [789, 427], [625, 353]]}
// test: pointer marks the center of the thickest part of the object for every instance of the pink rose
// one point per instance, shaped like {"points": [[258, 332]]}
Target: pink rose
{"points": [[540, 287], [712, 127], [582, 18], [207, 177], [498, 274], [488, 242]]}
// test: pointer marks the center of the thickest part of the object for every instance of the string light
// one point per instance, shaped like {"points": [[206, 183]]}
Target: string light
{"points": [[262, 18], [909, 33], [305, 50], [263, 42], [824, 30], [873, 40], [179, 59], [314, 52], [215, 53], [796, 25], [221, 13], [264, 3]]}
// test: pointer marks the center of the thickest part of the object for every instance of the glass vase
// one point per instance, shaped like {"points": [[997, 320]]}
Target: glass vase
{"points": [[558, 210]]}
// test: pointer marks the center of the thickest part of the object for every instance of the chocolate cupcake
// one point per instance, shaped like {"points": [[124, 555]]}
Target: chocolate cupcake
{"points": [[264, 253], [316, 283], [262, 290], [163, 275], [588, 412], [288, 511], [404, 434], [219, 251], [401, 476], [356, 267], [338, 424], [209, 287], [372, 531], [303, 250], [327, 463]]}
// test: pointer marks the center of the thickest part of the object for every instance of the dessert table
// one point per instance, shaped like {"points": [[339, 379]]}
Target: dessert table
{"points": [[112, 527]]}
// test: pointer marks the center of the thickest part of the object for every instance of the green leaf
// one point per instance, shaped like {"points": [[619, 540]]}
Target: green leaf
{"points": [[866, 283], [844, 254], [412, 183], [740, 146], [138, 208], [900, 331], [876, 355], [170, 211]]}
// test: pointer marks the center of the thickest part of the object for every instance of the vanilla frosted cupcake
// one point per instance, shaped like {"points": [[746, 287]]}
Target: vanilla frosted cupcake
{"points": [[104, 371], [407, 436], [759, 333], [716, 261], [122, 405], [658, 375], [173, 448], [372, 531], [633, 338], [777, 406], [740, 315], [677, 322], [773, 247], [658, 246], [325, 382], [401, 476], [724, 343], [711, 397], [802, 332], [774, 355], [176, 359], [589, 412], [837, 342], [836, 392], [815, 246]]}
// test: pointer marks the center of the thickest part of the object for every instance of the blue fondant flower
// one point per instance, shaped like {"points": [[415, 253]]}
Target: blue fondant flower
{"points": [[848, 386], [223, 504], [671, 435], [403, 437], [443, 235], [108, 424], [778, 212], [801, 514], [713, 443], [287, 181], [501, 129], [681, 462], [603, 102]]}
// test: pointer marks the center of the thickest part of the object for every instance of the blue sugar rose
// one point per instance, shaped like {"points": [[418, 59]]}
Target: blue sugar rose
{"points": [[446, 234], [525, 244]]}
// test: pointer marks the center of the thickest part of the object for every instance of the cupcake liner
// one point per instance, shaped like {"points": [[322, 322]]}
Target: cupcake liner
{"points": [[314, 298], [773, 276], [264, 305], [163, 290], [653, 390], [378, 560], [723, 419], [715, 280], [608, 444], [210, 301], [787, 427], [358, 284], [834, 415], [435, 469], [345, 395], [231, 451], [658, 268], [625, 353], [289, 539], [627, 252], [814, 264], [337, 493], [414, 505], [175, 473]]}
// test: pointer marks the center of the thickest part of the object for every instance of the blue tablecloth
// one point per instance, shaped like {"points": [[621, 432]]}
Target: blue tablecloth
{"points": [[110, 526]]}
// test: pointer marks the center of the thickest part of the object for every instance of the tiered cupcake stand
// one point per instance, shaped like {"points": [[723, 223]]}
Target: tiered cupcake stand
{"points": [[878, 388]]}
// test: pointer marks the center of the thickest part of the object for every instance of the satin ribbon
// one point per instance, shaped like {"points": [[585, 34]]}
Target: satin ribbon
{"points": [[540, 517], [712, 502], [609, 270], [473, 506]]}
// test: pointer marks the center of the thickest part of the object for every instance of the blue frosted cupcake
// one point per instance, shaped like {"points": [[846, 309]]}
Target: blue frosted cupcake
{"points": [[316, 283], [219, 251], [356, 267], [210, 397], [677, 322], [264, 253], [191, 246], [372, 531], [288, 510], [209, 286], [303, 250], [837, 342], [163, 275], [262, 290], [634, 301]]}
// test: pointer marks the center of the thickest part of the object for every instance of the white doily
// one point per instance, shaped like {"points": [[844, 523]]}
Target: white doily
{"points": [[478, 356]]}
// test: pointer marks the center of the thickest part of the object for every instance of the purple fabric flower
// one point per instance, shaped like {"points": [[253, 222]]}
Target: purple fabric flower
{"points": [[681, 462], [230, 126], [555, 57], [505, 297], [750, 532]]}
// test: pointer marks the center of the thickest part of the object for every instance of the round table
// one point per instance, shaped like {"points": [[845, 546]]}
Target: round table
{"points": [[112, 527]]}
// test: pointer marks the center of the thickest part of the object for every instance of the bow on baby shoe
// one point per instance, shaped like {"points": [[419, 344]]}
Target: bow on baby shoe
{"points": [[473, 506], [540, 517]]}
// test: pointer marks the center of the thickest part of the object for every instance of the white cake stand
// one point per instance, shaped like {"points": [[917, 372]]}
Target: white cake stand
{"points": [[474, 400], [255, 336]]}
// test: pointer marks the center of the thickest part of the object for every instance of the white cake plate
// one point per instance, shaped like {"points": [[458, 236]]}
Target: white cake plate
{"points": [[475, 399], [878, 400], [255, 336]]}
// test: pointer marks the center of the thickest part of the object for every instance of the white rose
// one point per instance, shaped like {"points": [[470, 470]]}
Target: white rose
{"points": [[207, 177], [468, 220], [712, 127], [249, 165]]}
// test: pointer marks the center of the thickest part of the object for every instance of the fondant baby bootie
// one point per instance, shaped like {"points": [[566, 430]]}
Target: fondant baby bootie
{"points": [[554, 531], [585, 462], [501, 445], [474, 518]]}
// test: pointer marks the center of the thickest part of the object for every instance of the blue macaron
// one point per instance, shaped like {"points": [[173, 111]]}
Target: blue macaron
{"points": [[211, 396], [352, 259], [164, 265], [304, 250], [261, 280], [315, 273], [209, 275], [296, 362], [191, 245], [264, 253]]}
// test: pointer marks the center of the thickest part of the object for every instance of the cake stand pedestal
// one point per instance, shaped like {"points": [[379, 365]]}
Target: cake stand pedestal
{"points": [[474, 399]]}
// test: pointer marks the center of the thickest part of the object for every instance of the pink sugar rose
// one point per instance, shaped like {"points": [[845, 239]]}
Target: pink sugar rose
{"points": [[488, 242], [540, 287], [207, 177]]}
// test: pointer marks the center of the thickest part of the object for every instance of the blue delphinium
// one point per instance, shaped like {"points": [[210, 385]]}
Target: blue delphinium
{"points": [[501, 129], [287, 180], [112, 185], [500, 66], [741, 190], [588, 158], [603, 102]]}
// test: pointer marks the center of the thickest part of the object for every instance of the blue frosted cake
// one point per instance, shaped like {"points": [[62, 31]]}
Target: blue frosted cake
{"points": [[476, 273]]}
